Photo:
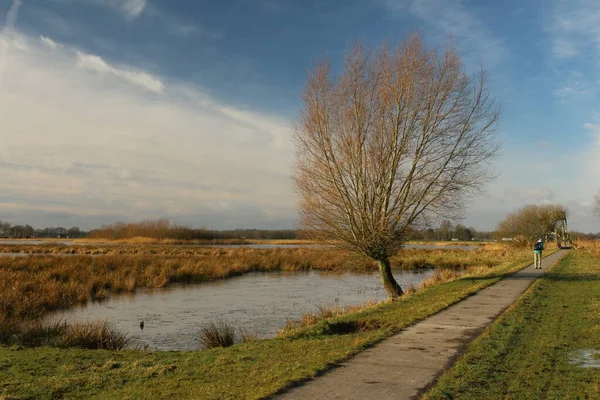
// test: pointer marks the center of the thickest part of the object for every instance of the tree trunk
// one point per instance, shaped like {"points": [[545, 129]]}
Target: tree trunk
{"points": [[391, 286]]}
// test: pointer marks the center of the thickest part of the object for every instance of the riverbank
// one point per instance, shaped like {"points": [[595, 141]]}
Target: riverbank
{"points": [[546, 347], [33, 285], [250, 370]]}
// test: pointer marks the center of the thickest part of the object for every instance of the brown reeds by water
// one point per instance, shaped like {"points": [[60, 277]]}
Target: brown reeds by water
{"points": [[221, 333], [94, 335], [87, 335]]}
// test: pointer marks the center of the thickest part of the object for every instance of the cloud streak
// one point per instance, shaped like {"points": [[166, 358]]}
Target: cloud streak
{"points": [[454, 19], [133, 8], [139, 78], [49, 42], [574, 21]]}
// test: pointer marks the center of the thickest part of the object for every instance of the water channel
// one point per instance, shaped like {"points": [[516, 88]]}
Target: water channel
{"points": [[261, 303]]}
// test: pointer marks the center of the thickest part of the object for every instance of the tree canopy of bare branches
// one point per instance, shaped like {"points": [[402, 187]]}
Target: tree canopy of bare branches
{"points": [[401, 137], [531, 222]]}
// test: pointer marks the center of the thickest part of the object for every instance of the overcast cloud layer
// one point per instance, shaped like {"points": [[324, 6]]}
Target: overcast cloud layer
{"points": [[82, 136]]}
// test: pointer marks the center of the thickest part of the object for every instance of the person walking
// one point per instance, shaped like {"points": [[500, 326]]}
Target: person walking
{"points": [[538, 247]]}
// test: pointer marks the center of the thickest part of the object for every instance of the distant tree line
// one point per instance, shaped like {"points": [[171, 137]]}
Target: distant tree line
{"points": [[165, 229], [9, 231], [447, 231]]}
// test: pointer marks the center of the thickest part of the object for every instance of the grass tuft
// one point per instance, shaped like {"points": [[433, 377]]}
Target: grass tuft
{"points": [[217, 333], [94, 335]]}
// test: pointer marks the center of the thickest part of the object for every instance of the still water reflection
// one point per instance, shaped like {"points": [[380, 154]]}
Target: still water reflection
{"points": [[259, 302]]}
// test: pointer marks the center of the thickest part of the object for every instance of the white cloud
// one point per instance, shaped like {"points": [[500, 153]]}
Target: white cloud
{"points": [[574, 21], [79, 143], [140, 78], [133, 8], [49, 42], [530, 194]]}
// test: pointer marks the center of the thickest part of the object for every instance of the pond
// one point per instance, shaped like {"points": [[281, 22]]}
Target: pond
{"points": [[261, 303]]}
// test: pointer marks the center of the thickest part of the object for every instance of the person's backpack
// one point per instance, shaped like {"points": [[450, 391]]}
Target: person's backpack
{"points": [[537, 246]]}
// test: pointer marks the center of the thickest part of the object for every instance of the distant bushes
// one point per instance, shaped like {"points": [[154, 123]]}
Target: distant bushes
{"points": [[163, 229], [159, 229]]}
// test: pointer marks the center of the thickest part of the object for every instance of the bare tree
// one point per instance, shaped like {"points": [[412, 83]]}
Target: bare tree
{"points": [[598, 203], [403, 136], [531, 222]]}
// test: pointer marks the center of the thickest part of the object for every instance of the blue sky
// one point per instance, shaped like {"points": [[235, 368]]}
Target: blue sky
{"points": [[129, 109]]}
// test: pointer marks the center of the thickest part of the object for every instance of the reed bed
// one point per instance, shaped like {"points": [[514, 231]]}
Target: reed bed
{"points": [[591, 246]]}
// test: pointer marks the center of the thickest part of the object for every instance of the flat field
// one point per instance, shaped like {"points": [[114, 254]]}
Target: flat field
{"points": [[249, 370]]}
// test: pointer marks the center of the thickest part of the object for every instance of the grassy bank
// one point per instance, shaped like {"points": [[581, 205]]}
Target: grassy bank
{"points": [[250, 370], [534, 350], [32, 286]]}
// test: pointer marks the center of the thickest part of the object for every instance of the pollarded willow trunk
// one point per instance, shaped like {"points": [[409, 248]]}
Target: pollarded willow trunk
{"points": [[391, 286]]}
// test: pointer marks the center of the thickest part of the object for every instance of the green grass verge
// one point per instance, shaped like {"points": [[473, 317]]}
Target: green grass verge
{"points": [[527, 353], [250, 370]]}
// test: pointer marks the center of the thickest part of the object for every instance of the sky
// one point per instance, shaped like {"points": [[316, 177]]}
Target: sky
{"points": [[116, 110]]}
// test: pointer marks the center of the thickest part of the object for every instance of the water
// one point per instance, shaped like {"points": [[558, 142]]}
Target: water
{"points": [[586, 358], [258, 302]]}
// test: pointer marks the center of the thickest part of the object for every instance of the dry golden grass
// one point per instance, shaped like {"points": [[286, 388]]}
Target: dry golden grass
{"points": [[324, 312], [592, 246], [141, 240]]}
